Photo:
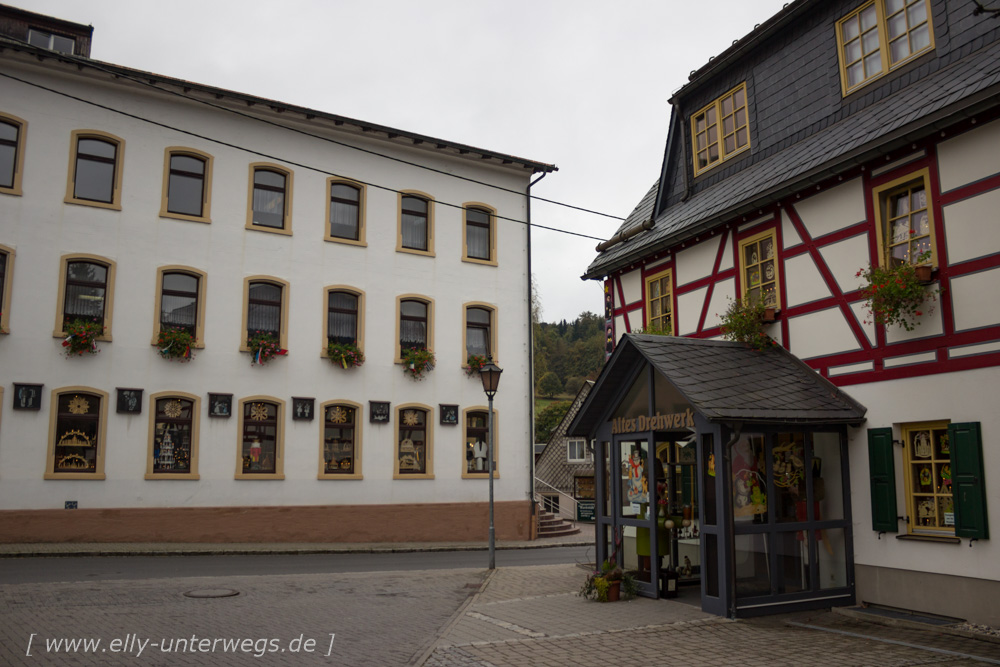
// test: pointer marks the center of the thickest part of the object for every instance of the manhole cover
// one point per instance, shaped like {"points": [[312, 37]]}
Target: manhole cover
{"points": [[211, 593]]}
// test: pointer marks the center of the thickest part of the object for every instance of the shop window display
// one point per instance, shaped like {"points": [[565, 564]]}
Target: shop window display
{"points": [[339, 439], [260, 437], [412, 443], [77, 432], [172, 436]]}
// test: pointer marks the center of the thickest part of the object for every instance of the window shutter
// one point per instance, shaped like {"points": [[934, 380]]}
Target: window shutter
{"points": [[968, 483], [882, 467]]}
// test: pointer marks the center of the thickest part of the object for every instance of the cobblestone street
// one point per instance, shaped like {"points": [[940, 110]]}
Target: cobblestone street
{"points": [[528, 615]]}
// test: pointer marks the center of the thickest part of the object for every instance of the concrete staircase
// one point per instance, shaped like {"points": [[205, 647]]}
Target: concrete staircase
{"points": [[552, 525]]}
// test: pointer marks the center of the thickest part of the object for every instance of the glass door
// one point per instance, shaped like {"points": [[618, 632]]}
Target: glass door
{"points": [[637, 552]]}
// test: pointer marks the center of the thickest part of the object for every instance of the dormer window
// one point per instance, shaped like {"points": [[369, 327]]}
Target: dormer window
{"points": [[53, 42], [720, 130]]}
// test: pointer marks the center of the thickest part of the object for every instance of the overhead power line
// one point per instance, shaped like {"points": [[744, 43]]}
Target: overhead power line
{"points": [[270, 156], [86, 62]]}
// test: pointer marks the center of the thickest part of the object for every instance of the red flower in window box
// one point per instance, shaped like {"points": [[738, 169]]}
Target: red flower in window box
{"points": [[175, 343], [263, 347], [81, 337]]}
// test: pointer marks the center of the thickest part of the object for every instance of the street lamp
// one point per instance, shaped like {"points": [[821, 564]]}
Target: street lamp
{"points": [[490, 375]]}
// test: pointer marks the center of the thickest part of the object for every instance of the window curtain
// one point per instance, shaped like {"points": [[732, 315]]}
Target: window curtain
{"points": [[478, 240], [268, 208], [264, 309], [477, 341], [342, 327]]}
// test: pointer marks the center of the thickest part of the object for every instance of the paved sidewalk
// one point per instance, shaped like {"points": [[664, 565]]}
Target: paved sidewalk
{"points": [[533, 616], [584, 538]]}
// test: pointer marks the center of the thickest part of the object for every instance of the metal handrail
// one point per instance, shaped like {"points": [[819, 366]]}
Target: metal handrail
{"points": [[567, 510]]}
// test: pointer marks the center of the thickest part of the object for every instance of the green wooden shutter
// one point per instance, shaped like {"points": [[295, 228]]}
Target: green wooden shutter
{"points": [[968, 483], [882, 467]]}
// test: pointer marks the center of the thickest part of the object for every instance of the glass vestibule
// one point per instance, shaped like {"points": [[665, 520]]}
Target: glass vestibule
{"points": [[791, 537]]}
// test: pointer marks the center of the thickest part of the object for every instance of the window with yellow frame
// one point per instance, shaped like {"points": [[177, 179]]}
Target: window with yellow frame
{"points": [[759, 269], [879, 36], [720, 130], [930, 504], [659, 303], [906, 220]]}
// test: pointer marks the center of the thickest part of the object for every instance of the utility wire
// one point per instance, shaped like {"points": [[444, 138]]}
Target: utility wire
{"points": [[273, 157], [86, 62]]}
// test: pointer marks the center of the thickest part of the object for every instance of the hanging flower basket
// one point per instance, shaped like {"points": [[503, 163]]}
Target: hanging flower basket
{"points": [[897, 294], [175, 343], [476, 363], [81, 337], [417, 361], [264, 347], [346, 355], [744, 323]]}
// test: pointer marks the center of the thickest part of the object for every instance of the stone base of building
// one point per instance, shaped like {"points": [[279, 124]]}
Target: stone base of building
{"points": [[974, 600], [430, 522]]}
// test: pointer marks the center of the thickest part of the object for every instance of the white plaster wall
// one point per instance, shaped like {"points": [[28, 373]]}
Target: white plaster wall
{"points": [[789, 237], [632, 286], [929, 322], [864, 320], [820, 333], [969, 157], [696, 262], [844, 259], [971, 228], [833, 209], [957, 397], [803, 282], [42, 228], [976, 299], [635, 319], [722, 295], [689, 307]]}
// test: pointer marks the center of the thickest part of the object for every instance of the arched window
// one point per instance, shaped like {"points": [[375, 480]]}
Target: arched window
{"points": [[95, 169], [12, 131], [86, 293], [340, 447], [479, 235], [416, 224], [270, 199], [173, 446], [345, 212], [414, 443], [260, 452], [76, 435], [187, 185]]}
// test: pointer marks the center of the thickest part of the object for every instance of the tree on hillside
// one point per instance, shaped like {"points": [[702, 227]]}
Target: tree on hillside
{"points": [[550, 385], [548, 419]]}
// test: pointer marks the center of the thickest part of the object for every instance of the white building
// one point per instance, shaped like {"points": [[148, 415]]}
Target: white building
{"points": [[834, 136], [143, 204]]}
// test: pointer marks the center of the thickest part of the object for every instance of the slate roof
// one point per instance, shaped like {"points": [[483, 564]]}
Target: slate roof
{"points": [[960, 89], [724, 381], [552, 466]]}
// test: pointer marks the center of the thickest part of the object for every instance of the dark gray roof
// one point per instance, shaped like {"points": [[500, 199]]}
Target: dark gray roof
{"points": [[963, 88], [724, 381]]}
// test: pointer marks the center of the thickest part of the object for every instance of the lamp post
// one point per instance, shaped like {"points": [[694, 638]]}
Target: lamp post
{"points": [[490, 375]]}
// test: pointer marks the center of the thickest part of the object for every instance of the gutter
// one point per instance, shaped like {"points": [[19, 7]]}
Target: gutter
{"points": [[531, 360]]}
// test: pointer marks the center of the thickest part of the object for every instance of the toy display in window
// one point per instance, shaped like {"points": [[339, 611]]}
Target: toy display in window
{"points": [[638, 485], [479, 451]]}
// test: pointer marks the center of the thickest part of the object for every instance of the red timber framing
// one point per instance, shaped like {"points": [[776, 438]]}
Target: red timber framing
{"points": [[939, 344]]}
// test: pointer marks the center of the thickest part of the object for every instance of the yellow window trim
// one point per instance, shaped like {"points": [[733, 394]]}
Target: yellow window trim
{"points": [[199, 328], [430, 222], [285, 295], [741, 263], [8, 279], [116, 193], [883, 45], [102, 427], [880, 196], [286, 222], [22, 133], [109, 293], [492, 261], [326, 320], [279, 449], [195, 428], [668, 274], [362, 209], [358, 421], [430, 321], [206, 195], [723, 156], [911, 505], [496, 443], [429, 435]]}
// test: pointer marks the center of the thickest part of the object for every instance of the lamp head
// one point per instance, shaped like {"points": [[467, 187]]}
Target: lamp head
{"points": [[490, 375]]}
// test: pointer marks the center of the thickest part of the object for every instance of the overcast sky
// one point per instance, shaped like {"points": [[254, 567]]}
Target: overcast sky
{"points": [[576, 83]]}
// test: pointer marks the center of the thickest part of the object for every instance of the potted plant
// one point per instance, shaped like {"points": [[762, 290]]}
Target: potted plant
{"points": [[346, 354], [81, 337], [174, 343], [744, 323], [263, 347], [417, 361], [896, 294], [475, 363], [609, 584]]}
